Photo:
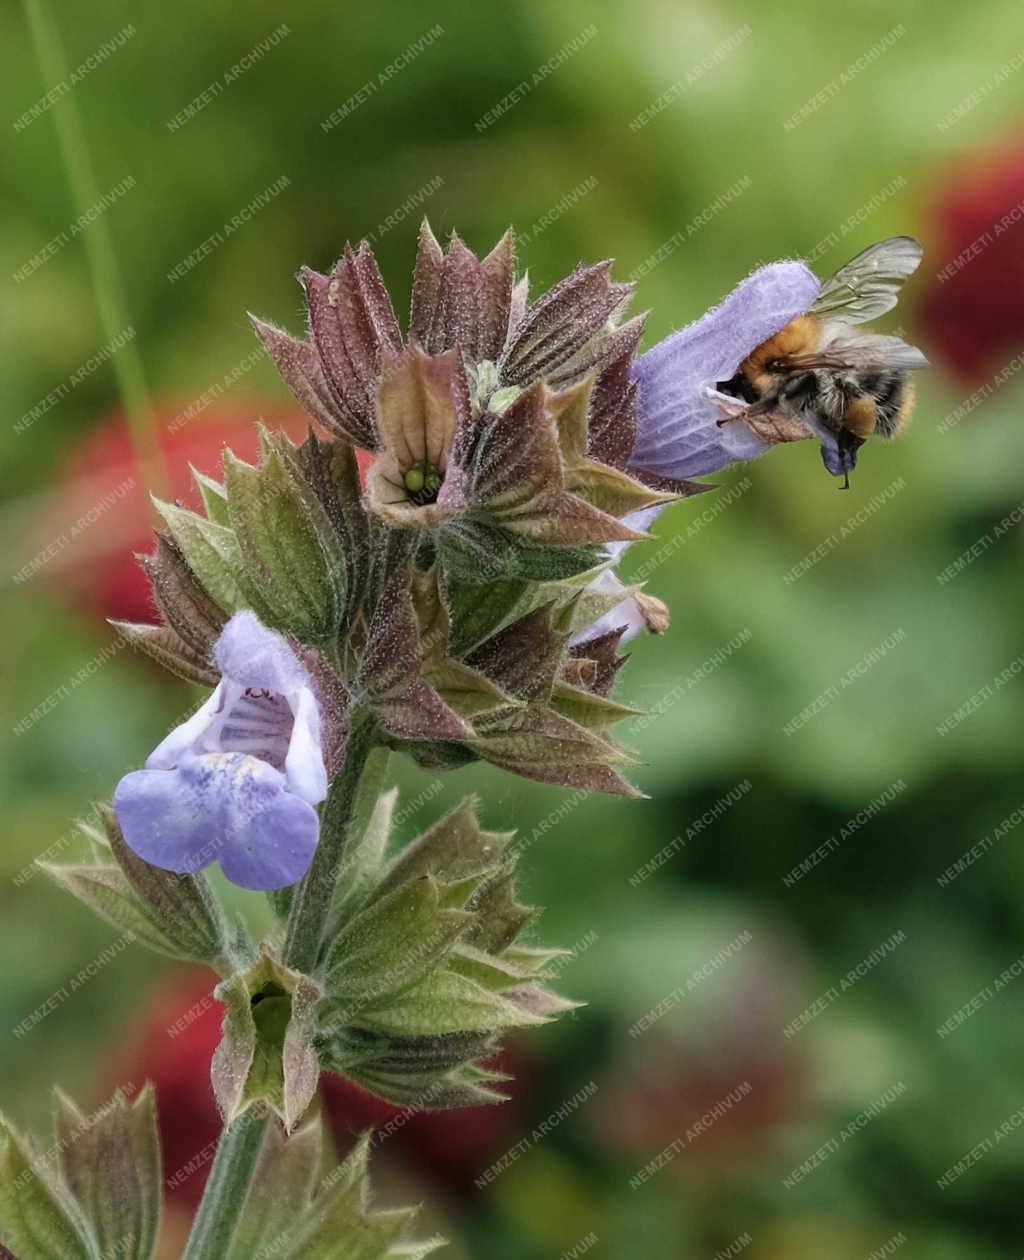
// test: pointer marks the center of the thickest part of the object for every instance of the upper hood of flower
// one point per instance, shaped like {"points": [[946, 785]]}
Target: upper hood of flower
{"points": [[678, 434]]}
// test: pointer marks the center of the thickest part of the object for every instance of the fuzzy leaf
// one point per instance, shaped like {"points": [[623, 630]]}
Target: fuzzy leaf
{"points": [[523, 659], [559, 325], [540, 744], [287, 546], [214, 496], [182, 906], [213, 554], [281, 1190], [599, 661], [432, 1090], [459, 300], [172, 914], [499, 916], [390, 679], [580, 607], [587, 708], [391, 945], [454, 848], [611, 423], [477, 555], [490, 970], [183, 603], [106, 890], [112, 1165], [517, 475], [445, 1002], [367, 837], [302, 371], [354, 330], [332, 471], [426, 287], [169, 650], [340, 1226], [606, 487], [463, 688], [35, 1219], [479, 611]]}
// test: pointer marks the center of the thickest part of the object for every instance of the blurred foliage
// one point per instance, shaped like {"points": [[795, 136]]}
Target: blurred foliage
{"points": [[721, 578]]}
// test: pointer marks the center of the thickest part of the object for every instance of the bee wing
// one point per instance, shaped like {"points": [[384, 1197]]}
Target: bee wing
{"points": [[869, 284], [860, 351]]}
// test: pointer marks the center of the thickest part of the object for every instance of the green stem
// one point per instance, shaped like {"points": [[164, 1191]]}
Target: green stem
{"points": [[99, 246], [311, 904], [219, 1212], [240, 1143]]}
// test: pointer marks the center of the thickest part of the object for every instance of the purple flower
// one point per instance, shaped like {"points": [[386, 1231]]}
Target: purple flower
{"points": [[678, 408], [636, 612], [236, 782]]}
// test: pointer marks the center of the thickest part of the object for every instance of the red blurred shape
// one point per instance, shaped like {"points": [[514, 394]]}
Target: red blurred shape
{"points": [[972, 312], [103, 514]]}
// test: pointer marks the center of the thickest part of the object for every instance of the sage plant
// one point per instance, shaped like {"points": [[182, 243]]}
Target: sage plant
{"points": [[431, 573]]}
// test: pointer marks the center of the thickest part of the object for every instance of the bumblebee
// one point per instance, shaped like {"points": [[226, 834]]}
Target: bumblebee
{"points": [[844, 384]]}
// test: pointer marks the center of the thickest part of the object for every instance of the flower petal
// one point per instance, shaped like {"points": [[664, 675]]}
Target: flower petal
{"points": [[304, 765], [257, 723], [677, 430], [219, 806], [253, 656], [167, 754], [166, 822], [625, 617], [277, 846]]}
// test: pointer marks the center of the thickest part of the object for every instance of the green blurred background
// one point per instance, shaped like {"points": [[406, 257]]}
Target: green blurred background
{"points": [[565, 167]]}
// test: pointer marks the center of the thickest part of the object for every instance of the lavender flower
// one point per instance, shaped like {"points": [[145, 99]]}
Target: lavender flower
{"points": [[679, 407], [238, 780], [637, 611]]}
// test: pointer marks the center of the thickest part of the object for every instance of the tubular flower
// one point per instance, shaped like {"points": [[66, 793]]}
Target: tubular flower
{"points": [[679, 406], [236, 782], [637, 611], [495, 413]]}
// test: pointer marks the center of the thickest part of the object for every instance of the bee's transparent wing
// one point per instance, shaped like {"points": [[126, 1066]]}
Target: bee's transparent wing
{"points": [[845, 350], [869, 284], [872, 351]]}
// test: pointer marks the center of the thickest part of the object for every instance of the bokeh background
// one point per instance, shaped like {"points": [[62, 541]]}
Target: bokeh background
{"points": [[911, 121]]}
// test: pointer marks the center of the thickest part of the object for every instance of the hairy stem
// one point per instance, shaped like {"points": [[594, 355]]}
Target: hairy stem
{"points": [[221, 1208], [240, 1142], [312, 901]]}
